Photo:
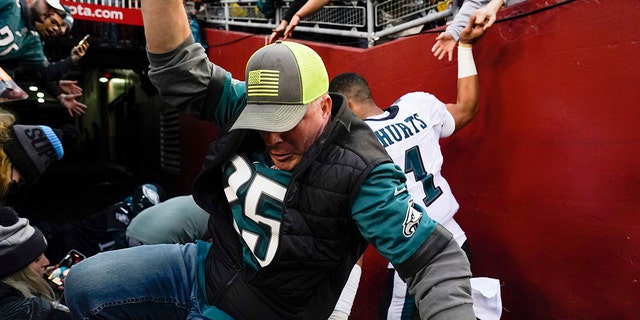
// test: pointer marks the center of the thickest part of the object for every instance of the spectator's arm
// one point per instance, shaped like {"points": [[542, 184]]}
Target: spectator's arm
{"points": [[157, 15], [462, 17], [293, 9], [309, 8], [446, 41], [53, 71]]}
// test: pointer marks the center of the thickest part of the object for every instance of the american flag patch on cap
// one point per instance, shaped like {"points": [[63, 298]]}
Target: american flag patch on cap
{"points": [[263, 83]]}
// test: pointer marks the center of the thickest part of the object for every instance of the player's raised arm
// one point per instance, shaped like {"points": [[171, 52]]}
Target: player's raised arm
{"points": [[165, 24], [466, 105]]}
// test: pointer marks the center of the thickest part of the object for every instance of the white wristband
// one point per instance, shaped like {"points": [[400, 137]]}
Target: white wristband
{"points": [[466, 65]]}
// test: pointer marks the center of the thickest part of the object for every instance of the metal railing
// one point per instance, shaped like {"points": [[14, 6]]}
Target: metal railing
{"points": [[371, 20]]}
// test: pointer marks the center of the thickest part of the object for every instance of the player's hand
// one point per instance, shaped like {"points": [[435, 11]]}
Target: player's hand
{"points": [[444, 46], [70, 87], [473, 31], [72, 105], [278, 32]]}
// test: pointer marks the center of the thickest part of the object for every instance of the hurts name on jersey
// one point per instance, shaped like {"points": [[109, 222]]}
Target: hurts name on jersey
{"points": [[401, 130]]}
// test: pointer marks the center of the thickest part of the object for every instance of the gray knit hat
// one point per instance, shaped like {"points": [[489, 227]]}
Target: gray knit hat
{"points": [[31, 149], [20, 243]]}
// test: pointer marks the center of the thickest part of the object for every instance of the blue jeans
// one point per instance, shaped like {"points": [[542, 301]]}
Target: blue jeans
{"points": [[145, 282]]}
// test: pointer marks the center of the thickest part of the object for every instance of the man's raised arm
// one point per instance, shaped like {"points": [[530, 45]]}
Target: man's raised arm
{"points": [[165, 24]]}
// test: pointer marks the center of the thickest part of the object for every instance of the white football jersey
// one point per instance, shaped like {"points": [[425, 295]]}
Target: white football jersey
{"points": [[410, 131]]}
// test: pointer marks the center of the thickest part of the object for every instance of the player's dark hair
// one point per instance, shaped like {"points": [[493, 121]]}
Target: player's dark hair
{"points": [[352, 85]]}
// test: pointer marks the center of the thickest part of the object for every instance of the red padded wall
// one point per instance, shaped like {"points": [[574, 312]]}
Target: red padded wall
{"points": [[548, 173]]}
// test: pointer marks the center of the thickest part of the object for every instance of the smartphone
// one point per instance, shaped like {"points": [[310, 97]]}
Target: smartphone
{"points": [[85, 39], [57, 275]]}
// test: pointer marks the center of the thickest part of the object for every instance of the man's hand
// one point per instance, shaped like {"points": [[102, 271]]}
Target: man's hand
{"points": [[473, 31], [70, 87], [71, 104], [79, 51], [444, 45]]}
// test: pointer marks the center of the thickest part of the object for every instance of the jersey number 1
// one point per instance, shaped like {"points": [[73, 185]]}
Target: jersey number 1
{"points": [[413, 163]]}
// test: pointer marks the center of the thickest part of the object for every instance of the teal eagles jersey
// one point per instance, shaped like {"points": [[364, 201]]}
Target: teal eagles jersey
{"points": [[17, 41], [383, 210]]}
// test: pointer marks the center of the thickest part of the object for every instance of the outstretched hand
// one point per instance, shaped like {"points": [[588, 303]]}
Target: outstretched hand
{"points": [[485, 16], [278, 32], [292, 25], [444, 46], [69, 87], [73, 106], [284, 30], [474, 30]]}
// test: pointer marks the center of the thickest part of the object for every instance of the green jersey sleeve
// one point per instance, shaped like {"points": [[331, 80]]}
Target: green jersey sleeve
{"points": [[387, 215], [232, 101]]}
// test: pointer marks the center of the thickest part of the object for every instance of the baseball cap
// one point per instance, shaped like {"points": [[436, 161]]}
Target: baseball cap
{"points": [[282, 79], [55, 4]]}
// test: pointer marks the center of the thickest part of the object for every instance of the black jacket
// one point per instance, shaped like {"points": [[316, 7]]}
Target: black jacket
{"points": [[299, 283], [15, 306]]}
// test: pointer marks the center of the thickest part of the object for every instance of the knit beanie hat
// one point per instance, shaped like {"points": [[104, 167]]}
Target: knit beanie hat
{"points": [[20, 243], [32, 148]]}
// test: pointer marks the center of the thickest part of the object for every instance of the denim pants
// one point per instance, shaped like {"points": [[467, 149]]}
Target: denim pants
{"points": [[145, 282]]}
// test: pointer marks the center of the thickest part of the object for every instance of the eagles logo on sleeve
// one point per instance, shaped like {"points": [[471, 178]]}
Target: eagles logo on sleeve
{"points": [[411, 220]]}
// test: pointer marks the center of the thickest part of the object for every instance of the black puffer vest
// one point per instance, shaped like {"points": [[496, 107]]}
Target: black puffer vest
{"points": [[319, 242]]}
